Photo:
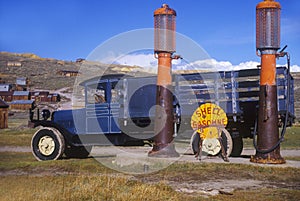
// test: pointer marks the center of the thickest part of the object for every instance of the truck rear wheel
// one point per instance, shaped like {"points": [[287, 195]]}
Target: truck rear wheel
{"points": [[237, 146], [227, 141], [47, 144], [195, 140], [78, 151]]}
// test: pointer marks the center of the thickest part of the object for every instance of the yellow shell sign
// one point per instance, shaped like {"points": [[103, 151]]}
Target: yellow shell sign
{"points": [[208, 115]]}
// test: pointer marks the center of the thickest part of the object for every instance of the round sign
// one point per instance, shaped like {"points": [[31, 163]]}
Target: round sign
{"points": [[208, 115]]}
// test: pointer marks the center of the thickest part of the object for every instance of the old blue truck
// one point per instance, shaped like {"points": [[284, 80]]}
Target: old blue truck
{"points": [[120, 110]]}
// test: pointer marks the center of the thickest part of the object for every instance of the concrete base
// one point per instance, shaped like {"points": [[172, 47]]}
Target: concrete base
{"points": [[267, 160]]}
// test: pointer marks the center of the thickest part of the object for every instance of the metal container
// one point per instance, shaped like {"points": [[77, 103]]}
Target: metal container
{"points": [[164, 29], [268, 25]]}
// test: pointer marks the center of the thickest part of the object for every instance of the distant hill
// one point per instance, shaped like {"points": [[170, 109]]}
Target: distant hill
{"points": [[43, 73]]}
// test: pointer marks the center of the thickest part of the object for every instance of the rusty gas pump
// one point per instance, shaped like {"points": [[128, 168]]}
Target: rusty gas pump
{"points": [[267, 44], [164, 47]]}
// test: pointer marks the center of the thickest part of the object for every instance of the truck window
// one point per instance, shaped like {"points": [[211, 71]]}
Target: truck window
{"points": [[115, 92], [99, 96], [95, 95]]}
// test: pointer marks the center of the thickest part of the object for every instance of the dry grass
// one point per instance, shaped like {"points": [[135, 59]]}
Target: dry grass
{"points": [[82, 187], [17, 133], [211, 171], [16, 137], [262, 194], [291, 139], [24, 178], [292, 158]]}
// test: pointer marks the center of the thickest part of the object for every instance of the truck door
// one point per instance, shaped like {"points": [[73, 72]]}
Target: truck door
{"points": [[101, 107], [114, 105], [97, 107]]}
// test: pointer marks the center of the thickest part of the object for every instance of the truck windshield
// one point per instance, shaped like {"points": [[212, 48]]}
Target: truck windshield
{"points": [[103, 92]]}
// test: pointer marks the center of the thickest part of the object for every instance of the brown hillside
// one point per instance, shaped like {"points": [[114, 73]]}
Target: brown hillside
{"points": [[44, 73]]}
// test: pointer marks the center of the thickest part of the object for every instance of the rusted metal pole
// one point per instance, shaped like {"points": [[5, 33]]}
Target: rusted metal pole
{"points": [[164, 120], [268, 133], [267, 42], [164, 19]]}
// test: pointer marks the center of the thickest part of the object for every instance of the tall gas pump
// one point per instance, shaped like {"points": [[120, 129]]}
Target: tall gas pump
{"points": [[267, 44], [164, 47]]}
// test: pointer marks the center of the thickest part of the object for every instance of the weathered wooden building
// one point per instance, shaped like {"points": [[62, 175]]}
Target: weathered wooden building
{"points": [[39, 96], [68, 73], [79, 60], [21, 104], [44, 96], [3, 114], [2, 81], [5, 87], [55, 97], [22, 83], [6, 95], [14, 64], [21, 95]]}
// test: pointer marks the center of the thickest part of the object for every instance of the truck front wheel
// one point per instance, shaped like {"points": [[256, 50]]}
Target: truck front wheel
{"points": [[47, 144]]}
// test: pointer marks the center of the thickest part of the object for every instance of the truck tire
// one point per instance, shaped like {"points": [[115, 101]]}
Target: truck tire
{"points": [[227, 141], [237, 146], [47, 144], [195, 140], [77, 151]]}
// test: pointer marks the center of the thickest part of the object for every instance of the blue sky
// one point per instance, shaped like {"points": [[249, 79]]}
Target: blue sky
{"points": [[71, 29]]}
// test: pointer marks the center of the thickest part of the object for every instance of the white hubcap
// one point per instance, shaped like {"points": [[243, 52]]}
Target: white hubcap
{"points": [[46, 145], [211, 146]]}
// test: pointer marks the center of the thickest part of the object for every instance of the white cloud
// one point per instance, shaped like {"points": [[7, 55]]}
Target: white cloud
{"points": [[143, 60], [295, 68], [246, 65], [214, 65], [149, 63], [207, 64]]}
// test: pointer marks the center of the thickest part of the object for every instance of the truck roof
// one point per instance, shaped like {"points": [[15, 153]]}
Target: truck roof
{"points": [[104, 77]]}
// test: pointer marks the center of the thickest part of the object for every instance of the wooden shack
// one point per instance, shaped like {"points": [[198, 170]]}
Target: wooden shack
{"points": [[55, 97], [14, 64], [3, 114], [22, 83], [21, 95], [5, 87], [6, 95], [22, 104], [43, 96], [68, 73]]}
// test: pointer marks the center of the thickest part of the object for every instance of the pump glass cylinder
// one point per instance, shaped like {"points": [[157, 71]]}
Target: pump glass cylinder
{"points": [[268, 28], [164, 36]]}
